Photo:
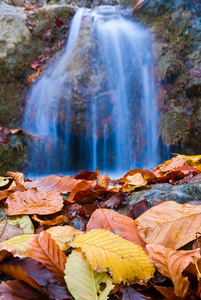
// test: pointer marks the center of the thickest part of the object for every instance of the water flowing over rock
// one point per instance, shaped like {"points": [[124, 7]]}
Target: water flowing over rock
{"points": [[95, 106]]}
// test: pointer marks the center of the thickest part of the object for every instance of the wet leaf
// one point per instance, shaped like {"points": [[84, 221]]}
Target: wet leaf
{"points": [[105, 251], [33, 76], [172, 263], [17, 290], [116, 223], [63, 235], [83, 282], [170, 224], [34, 202], [44, 249]]}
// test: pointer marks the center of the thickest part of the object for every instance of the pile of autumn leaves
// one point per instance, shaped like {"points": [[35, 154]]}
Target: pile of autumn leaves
{"points": [[110, 256]]}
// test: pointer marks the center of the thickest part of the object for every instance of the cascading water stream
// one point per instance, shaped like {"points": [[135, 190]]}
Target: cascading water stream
{"points": [[95, 107]]}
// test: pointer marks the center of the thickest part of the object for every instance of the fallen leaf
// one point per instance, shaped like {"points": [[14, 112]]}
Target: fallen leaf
{"points": [[5, 182], [34, 202], [44, 249], [130, 293], [81, 186], [169, 224], [17, 290], [105, 251], [14, 226], [4, 194], [83, 282], [116, 223], [18, 273], [17, 245], [171, 264], [18, 180], [167, 292], [53, 183], [63, 235], [31, 77], [55, 221], [114, 201]]}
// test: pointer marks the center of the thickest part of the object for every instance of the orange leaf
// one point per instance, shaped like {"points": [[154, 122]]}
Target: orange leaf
{"points": [[81, 186], [20, 274], [31, 77], [4, 194], [172, 263], [55, 221], [53, 183], [44, 249], [170, 224], [33, 202], [166, 291], [116, 223], [18, 180]]}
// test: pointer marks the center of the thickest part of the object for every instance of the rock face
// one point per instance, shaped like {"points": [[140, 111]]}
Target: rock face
{"points": [[24, 35], [176, 28]]}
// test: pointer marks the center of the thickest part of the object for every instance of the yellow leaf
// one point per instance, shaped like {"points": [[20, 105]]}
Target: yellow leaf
{"points": [[105, 251], [24, 222], [170, 224], [17, 245], [14, 226], [172, 263], [83, 282], [63, 235], [191, 160]]}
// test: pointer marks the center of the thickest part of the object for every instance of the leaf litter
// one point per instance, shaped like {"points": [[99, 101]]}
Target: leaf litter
{"points": [[62, 239]]}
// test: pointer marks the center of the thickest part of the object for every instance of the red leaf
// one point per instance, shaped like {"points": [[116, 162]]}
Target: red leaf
{"points": [[16, 290], [137, 209], [58, 22], [114, 201]]}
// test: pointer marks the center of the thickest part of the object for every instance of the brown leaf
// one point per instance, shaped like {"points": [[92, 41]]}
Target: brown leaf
{"points": [[116, 223], [18, 180], [8, 230], [87, 175], [58, 22], [167, 292], [4, 194], [138, 209], [55, 221], [16, 290], [18, 273], [172, 263], [81, 186], [53, 183], [131, 293], [44, 249], [114, 201], [31, 77], [5, 136], [33, 202], [170, 224]]}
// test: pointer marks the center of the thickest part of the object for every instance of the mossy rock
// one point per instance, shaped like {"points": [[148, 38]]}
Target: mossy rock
{"points": [[174, 128], [13, 156]]}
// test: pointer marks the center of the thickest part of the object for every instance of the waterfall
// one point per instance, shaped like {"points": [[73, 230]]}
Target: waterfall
{"points": [[95, 107]]}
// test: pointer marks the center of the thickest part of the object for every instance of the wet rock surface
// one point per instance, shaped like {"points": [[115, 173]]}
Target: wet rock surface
{"points": [[163, 192]]}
